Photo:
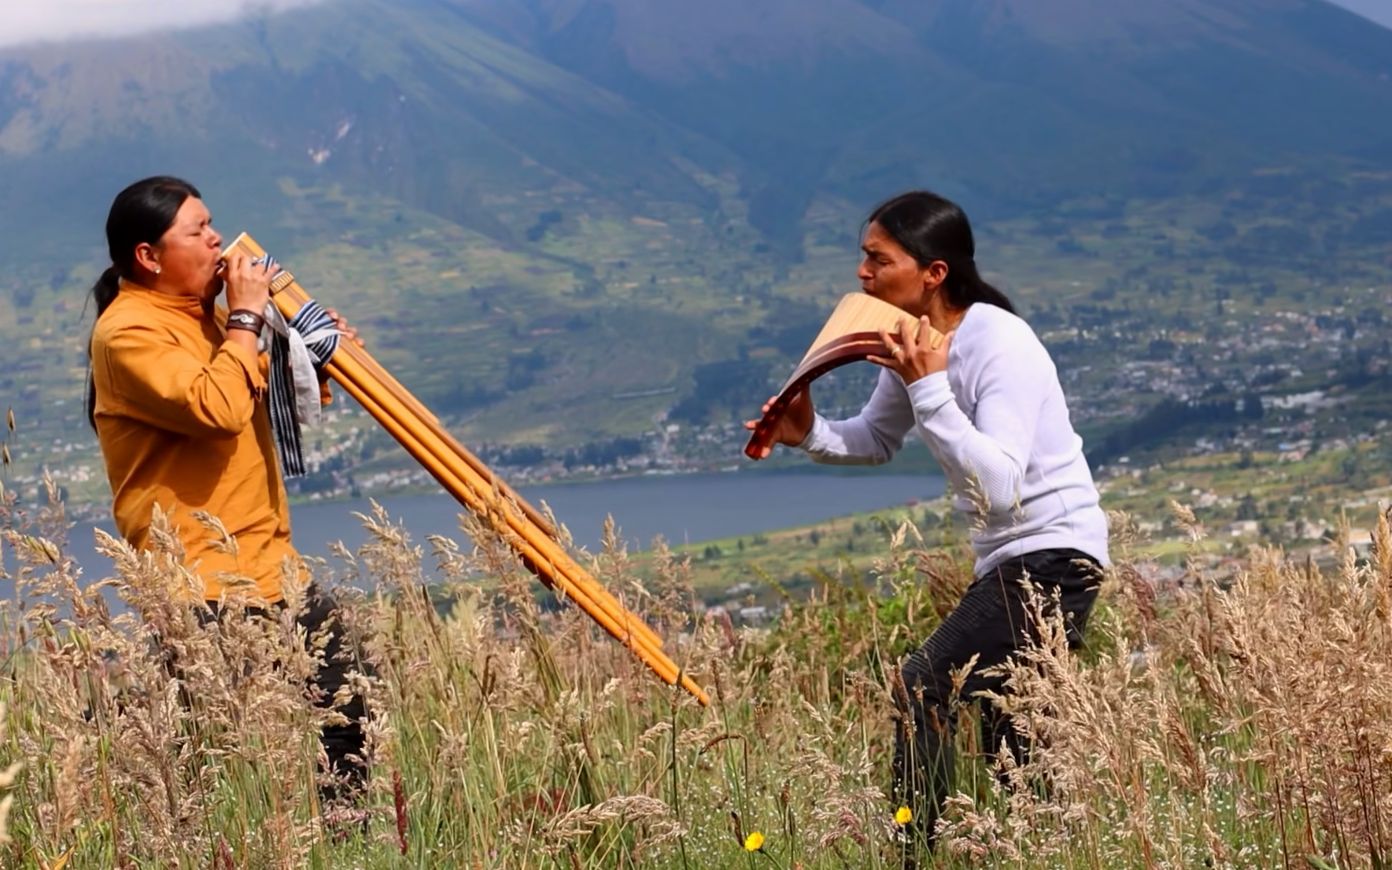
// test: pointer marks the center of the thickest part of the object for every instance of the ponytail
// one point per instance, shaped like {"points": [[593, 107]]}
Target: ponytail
{"points": [[970, 287], [930, 228], [105, 290], [103, 294]]}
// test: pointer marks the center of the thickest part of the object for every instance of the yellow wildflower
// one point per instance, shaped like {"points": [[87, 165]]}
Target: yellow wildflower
{"points": [[754, 842], [903, 816]]}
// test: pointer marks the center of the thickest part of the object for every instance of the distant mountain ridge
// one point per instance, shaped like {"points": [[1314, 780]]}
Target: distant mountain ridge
{"points": [[1374, 10], [590, 206], [1016, 102], [402, 99], [1135, 95]]}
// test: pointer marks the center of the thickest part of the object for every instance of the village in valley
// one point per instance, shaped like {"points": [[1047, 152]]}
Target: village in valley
{"points": [[1231, 356], [1271, 426]]}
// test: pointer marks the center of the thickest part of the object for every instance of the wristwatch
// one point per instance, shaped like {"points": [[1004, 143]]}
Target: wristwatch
{"points": [[244, 320]]}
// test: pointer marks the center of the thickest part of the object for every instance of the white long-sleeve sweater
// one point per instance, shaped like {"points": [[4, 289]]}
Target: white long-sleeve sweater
{"points": [[998, 424]]}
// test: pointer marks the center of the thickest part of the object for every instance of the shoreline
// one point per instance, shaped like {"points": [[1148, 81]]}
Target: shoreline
{"points": [[87, 511]]}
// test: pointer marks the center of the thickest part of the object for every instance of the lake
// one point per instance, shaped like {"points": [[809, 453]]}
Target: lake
{"points": [[683, 508]]}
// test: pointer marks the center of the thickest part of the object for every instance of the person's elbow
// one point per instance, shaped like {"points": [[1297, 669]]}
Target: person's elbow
{"points": [[997, 491], [221, 423], [882, 453], [215, 414], [1005, 500]]}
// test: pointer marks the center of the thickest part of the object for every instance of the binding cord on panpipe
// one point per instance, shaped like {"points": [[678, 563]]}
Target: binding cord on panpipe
{"points": [[475, 486]]}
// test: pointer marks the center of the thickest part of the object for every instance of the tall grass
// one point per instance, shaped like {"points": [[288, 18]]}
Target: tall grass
{"points": [[1241, 721]]}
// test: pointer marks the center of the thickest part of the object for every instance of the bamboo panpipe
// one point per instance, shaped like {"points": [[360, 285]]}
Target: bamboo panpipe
{"points": [[487, 484], [532, 550], [851, 333], [475, 486], [541, 554]]}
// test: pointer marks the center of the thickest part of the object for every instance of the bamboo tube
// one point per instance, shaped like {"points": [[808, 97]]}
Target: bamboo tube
{"points": [[290, 291], [601, 595], [475, 486], [485, 486], [480, 497], [471, 499], [526, 540], [286, 287]]}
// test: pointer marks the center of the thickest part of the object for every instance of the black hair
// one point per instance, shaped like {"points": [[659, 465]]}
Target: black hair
{"points": [[930, 227], [140, 214]]}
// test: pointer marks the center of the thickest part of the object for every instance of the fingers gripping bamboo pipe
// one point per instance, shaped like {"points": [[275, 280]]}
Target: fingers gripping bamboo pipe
{"points": [[475, 486]]}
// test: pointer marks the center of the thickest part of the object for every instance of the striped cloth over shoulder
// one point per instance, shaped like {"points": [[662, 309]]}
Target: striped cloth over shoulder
{"points": [[299, 349]]}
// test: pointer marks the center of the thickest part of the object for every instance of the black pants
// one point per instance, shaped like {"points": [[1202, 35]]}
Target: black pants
{"points": [[990, 622], [343, 744]]}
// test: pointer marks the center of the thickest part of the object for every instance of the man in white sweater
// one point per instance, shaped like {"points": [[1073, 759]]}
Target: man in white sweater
{"points": [[988, 403]]}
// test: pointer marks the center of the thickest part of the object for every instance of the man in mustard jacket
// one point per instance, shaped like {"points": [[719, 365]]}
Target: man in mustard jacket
{"points": [[176, 399]]}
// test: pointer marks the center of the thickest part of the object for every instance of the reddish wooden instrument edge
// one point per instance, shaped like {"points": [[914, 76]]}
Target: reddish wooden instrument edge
{"points": [[849, 348]]}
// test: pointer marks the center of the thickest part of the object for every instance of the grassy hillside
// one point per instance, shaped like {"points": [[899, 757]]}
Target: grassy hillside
{"points": [[1218, 719]]}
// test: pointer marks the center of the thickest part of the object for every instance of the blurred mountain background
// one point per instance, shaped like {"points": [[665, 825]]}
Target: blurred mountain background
{"points": [[570, 224]]}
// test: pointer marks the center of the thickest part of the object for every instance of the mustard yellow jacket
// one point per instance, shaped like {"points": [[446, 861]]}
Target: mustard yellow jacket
{"points": [[181, 425]]}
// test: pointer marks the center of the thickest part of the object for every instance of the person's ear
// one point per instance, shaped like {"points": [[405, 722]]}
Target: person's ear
{"points": [[934, 276], [147, 258]]}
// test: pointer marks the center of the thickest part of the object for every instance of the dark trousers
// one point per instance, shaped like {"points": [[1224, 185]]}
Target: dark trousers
{"points": [[343, 744], [990, 622]]}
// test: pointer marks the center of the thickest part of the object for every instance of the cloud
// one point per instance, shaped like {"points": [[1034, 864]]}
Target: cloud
{"points": [[30, 21], [1374, 10]]}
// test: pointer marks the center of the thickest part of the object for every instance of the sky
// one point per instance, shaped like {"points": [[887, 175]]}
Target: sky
{"points": [[23, 21], [27, 21], [1378, 10]]}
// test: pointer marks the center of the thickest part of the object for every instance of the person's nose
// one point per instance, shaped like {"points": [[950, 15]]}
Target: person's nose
{"points": [[863, 271]]}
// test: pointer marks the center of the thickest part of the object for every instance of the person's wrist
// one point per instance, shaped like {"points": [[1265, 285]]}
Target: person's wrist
{"points": [[245, 318]]}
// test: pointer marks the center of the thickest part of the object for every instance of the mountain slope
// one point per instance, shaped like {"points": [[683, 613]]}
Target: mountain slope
{"points": [[1016, 101], [557, 218], [451, 105], [400, 99]]}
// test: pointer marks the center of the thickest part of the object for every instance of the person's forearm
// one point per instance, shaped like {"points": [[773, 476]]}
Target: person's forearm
{"points": [[847, 442], [871, 437], [169, 386], [244, 338]]}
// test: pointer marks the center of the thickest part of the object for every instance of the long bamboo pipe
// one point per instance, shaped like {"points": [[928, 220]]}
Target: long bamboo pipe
{"points": [[474, 492], [492, 483], [543, 556], [450, 478], [286, 288], [539, 550], [449, 449], [475, 486]]}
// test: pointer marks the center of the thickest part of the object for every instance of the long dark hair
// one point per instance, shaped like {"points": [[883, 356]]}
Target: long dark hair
{"points": [[932, 228], [140, 214]]}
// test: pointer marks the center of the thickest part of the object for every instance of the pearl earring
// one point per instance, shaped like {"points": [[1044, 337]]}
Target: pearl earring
{"points": [[157, 270]]}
